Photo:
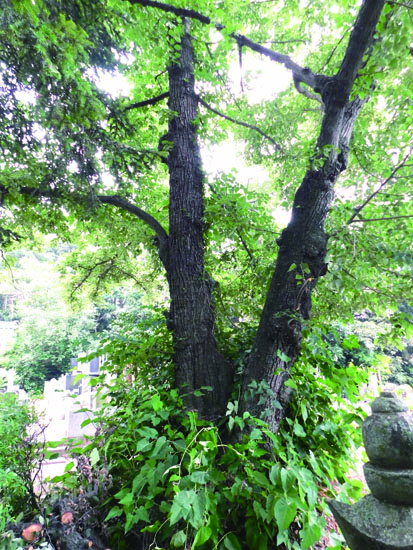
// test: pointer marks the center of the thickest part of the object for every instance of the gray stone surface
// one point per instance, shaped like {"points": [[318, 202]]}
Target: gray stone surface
{"points": [[383, 520], [393, 486], [373, 525], [388, 434], [388, 402]]}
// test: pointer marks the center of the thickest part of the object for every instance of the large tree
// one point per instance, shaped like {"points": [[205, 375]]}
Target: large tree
{"points": [[347, 109]]}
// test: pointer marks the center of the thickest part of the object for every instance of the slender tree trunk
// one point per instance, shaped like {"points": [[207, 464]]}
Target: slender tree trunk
{"points": [[303, 244], [192, 318]]}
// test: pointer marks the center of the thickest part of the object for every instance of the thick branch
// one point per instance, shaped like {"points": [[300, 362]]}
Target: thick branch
{"points": [[180, 12], [301, 74], [114, 200], [120, 202], [146, 102], [301, 90], [303, 244], [239, 122], [360, 39]]}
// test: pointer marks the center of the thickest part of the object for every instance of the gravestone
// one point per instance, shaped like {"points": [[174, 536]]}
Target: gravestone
{"points": [[384, 519]]}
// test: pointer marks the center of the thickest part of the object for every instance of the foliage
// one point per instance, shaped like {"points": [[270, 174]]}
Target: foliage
{"points": [[58, 85], [21, 452], [175, 483], [50, 333], [165, 478], [44, 345], [371, 342]]}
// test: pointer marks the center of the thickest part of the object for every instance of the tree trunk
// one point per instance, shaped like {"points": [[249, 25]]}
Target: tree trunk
{"points": [[198, 362], [303, 244]]}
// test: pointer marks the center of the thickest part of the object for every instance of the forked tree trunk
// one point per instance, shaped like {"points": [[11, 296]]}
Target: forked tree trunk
{"points": [[198, 362], [302, 252]]}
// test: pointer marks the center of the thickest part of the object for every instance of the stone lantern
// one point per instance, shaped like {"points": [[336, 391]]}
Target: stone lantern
{"points": [[384, 519]]}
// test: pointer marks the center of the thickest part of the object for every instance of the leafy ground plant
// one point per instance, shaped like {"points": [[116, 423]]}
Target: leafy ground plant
{"points": [[161, 477], [21, 453]]}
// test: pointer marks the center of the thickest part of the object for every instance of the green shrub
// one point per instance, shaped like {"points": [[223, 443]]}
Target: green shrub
{"points": [[20, 455], [167, 480], [159, 477]]}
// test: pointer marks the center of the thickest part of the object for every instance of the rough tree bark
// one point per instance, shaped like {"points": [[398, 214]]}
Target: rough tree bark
{"points": [[303, 243], [192, 318]]}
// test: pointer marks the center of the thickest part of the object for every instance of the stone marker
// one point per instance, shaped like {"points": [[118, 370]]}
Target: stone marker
{"points": [[383, 520]]}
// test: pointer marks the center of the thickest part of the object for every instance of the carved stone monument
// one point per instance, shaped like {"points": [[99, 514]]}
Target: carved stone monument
{"points": [[384, 519]]}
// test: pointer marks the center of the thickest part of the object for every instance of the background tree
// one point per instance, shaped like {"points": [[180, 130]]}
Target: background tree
{"points": [[49, 333], [61, 136]]}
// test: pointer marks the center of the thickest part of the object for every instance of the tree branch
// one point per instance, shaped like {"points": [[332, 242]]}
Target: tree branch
{"points": [[362, 220], [89, 271], [239, 122], [116, 200], [301, 90], [409, 7], [376, 290], [301, 74], [333, 51], [180, 12], [246, 248], [385, 182], [360, 39], [293, 40], [146, 102]]}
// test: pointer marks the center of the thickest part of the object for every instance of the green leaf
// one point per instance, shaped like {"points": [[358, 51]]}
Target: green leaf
{"points": [[299, 430], [310, 534], [231, 542], [141, 514], [143, 445], [94, 457], [283, 356], [259, 478], [156, 402], [115, 512], [199, 477], [69, 466], [350, 342], [51, 456], [203, 534], [178, 539], [128, 499], [275, 475], [259, 511], [188, 505], [284, 513]]}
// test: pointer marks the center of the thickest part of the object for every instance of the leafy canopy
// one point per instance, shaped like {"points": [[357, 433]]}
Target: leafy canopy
{"points": [[65, 136]]}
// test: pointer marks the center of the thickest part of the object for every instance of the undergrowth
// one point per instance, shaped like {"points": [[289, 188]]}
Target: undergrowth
{"points": [[157, 477]]}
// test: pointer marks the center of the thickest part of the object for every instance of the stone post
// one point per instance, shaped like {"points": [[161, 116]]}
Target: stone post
{"points": [[384, 519]]}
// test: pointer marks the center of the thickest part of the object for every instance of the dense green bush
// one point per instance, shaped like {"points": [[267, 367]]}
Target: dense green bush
{"points": [[20, 455], [163, 478]]}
